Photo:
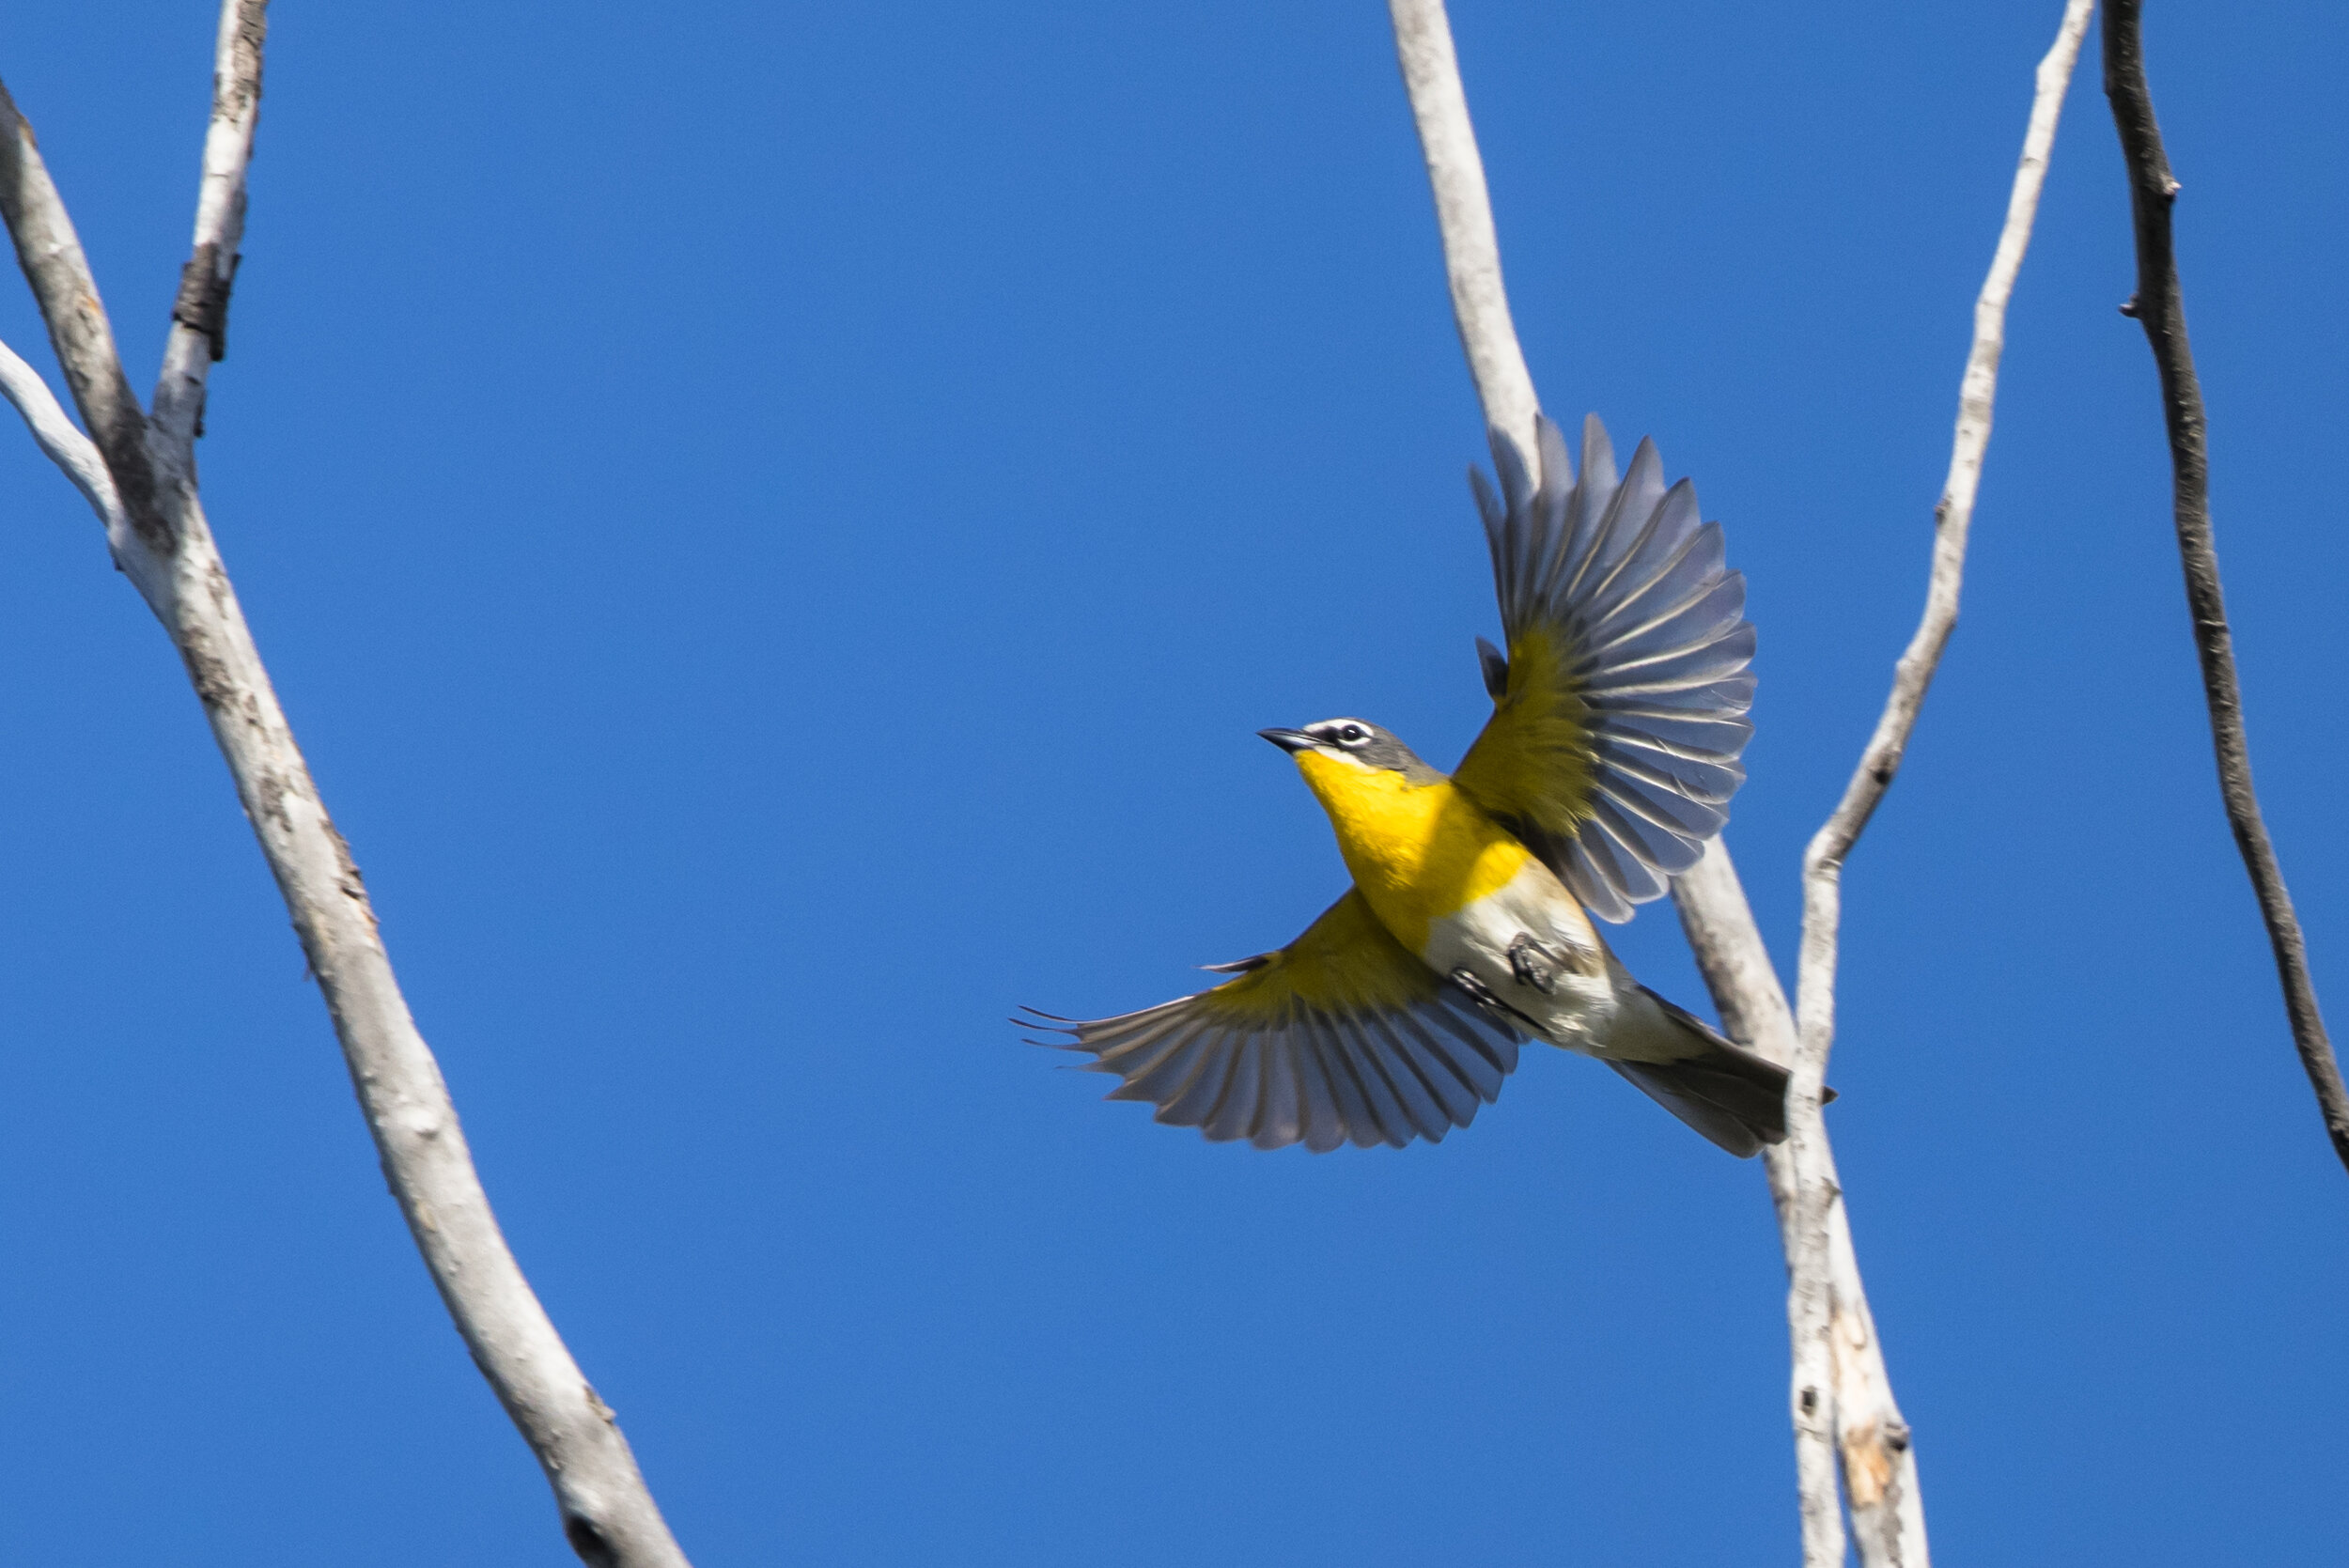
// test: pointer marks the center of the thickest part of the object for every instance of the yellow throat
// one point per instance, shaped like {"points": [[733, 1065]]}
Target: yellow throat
{"points": [[1418, 851]]}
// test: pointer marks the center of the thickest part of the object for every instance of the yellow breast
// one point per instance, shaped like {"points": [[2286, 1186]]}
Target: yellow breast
{"points": [[1419, 852]]}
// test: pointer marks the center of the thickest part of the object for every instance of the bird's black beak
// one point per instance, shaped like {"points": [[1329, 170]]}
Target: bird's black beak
{"points": [[1290, 740]]}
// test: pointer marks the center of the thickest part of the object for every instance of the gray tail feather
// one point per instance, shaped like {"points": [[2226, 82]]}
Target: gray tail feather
{"points": [[1733, 1096]]}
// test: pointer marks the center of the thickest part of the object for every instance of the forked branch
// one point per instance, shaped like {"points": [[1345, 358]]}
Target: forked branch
{"points": [[1713, 907], [1877, 1451], [2161, 311], [140, 477], [1844, 1412]]}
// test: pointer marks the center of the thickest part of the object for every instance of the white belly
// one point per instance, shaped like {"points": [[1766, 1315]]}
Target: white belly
{"points": [[1533, 948]]}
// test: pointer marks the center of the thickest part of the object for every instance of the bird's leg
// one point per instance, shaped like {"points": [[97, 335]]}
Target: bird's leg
{"points": [[1538, 964], [1534, 964], [1483, 996]]}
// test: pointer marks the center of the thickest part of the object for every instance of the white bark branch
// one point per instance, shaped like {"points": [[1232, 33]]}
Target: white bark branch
{"points": [[1881, 759], [165, 547], [65, 445], [1845, 1414], [79, 333], [1823, 1285], [1879, 1459], [1713, 906], [199, 316], [1464, 213]]}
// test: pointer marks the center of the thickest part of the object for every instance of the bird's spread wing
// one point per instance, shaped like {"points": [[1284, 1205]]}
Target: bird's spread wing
{"points": [[1618, 709], [1343, 1034]]}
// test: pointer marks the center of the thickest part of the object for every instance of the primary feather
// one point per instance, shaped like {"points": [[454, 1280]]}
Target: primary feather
{"points": [[1620, 713], [1341, 1036]]}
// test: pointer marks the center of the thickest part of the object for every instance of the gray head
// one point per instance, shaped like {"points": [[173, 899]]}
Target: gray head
{"points": [[1358, 741]]}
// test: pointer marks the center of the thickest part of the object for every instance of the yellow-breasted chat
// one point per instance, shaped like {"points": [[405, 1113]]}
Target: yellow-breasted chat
{"points": [[1619, 713]]}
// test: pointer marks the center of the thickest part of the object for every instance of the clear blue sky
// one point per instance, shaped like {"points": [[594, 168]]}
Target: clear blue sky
{"points": [[775, 527]]}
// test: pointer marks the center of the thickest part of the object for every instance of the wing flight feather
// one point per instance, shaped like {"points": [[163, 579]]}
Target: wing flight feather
{"points": [[1620, 707], [1341, 1036]]}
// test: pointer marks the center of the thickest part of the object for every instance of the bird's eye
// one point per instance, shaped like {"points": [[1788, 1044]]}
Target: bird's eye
{"points": [[1353, 734]]}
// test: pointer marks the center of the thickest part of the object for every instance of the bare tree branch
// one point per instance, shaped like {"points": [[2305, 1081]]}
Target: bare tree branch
{"points": [[65, 445], [1871, 1438], [199, 316], [1878, 1456], [1844, 1411], [1464, 211], [1718, 923], [50, 254], [2159, 308], [1713, 906], [1880, 760], [165, 547], [1823, 1282]]}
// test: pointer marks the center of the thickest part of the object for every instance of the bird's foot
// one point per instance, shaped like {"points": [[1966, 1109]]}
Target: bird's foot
{"points": [[1484, 997], [1535, 965]]}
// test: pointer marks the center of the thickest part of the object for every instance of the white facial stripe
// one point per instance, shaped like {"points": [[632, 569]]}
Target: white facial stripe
{"points": [[1342, 732]]}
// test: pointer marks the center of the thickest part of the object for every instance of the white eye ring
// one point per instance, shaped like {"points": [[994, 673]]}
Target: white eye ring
{"points": [[1353, 734]]}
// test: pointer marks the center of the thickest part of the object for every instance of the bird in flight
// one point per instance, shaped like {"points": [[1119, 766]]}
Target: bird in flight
{"points": [[1619, 712]]}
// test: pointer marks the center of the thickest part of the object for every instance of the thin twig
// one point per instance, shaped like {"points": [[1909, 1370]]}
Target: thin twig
{"points": [[55, 434], [1913, 675], [1878, 1452], [199, 316], [2161, 311], [166, 548]]}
